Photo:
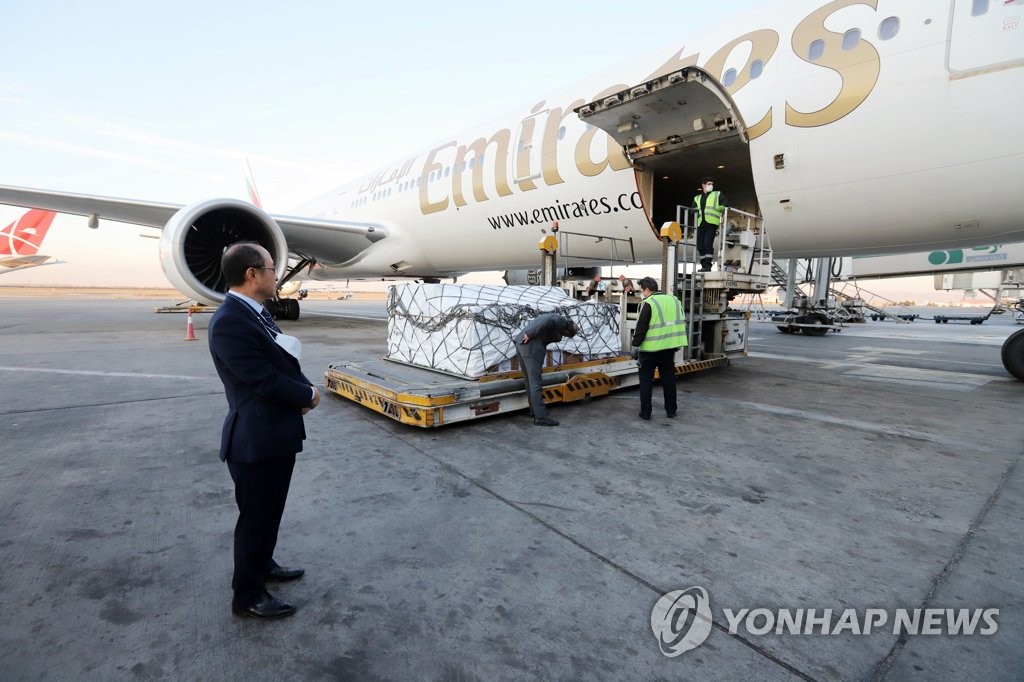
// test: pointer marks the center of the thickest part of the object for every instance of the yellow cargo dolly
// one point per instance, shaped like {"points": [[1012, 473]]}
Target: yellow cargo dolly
{"points": [[427, 398]]}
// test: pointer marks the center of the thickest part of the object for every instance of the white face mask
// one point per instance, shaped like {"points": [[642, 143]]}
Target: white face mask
{"points": [[290, 345], [708, 187]]}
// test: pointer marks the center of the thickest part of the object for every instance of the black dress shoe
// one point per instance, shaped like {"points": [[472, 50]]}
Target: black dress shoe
{"points": [[645, 417], [545, 421], [670, 415], [280, 574], [267, 608]]}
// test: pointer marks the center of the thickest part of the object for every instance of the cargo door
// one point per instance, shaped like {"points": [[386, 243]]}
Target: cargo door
{"points": [[675, 129], [985, 35], [671, 113]]}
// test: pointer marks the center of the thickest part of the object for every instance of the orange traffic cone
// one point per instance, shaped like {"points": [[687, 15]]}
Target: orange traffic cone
{"points": [[190, 331]]}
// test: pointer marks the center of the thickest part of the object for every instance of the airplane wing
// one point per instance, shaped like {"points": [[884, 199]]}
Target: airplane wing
{"points": [[327, 241], [121, 210]]}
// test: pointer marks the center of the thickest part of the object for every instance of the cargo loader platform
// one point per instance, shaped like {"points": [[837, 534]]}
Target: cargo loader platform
{"points": [[427, 398]]}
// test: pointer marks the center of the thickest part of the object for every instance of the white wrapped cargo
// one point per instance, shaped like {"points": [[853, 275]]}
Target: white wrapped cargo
{"points": [[467, 329]]}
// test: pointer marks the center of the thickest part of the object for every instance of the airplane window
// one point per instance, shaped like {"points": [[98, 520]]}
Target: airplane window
{"points": [[471, 163], [889, 28], [463, 166], [431, 179], [851, 38], [816, 49], [980, 7], [446, 169], [561, 133], [756, 68], [729, 78]]}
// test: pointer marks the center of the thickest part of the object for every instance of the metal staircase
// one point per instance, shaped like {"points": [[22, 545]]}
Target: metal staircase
{"points": [[881, 307]]}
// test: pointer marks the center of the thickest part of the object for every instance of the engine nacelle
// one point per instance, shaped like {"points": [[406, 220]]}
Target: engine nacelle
{"points": [[195, 237]]}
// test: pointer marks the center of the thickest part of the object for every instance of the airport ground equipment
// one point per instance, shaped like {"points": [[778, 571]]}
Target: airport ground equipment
{"points": [[186, 307], [428, 398], [425, 398], [973, 319], [190, 330], [841, 303], [852, 296]]}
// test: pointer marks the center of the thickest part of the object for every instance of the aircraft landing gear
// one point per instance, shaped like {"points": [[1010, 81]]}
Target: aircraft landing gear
{"points": [[1013, 354], [283, 308]]}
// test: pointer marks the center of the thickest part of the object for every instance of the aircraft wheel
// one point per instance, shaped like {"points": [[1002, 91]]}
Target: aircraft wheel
{"points": [[274, 308], [290, 308], [815, 319], [1013, 354]]}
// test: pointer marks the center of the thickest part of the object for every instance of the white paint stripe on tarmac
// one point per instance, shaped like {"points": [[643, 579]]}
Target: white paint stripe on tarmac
{"points": [[895, 351], [85, 372], [343, 316], [936, 378], [858, 424]]}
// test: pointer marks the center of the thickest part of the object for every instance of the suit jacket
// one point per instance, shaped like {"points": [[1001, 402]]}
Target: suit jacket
{"points": [[265, 388], [545, 329]]}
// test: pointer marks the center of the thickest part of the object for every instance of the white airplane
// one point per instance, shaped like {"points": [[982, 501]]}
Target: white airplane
{"points": [[20, 242], [851, 126]]}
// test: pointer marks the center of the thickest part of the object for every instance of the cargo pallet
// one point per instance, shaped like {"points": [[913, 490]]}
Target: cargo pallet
{"points": [[428, 399]]}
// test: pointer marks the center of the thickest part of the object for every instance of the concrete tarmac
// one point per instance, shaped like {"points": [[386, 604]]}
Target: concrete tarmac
{"points": [[878, 469]]}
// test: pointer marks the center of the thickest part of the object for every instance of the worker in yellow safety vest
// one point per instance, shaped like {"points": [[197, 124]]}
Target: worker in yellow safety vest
{"points": [[708, 206], [660, 332]]}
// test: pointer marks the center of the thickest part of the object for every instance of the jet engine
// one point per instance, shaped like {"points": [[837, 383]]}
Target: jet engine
{"points": [[195, 237]]}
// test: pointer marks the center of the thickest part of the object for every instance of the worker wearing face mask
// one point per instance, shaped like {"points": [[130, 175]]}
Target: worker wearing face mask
{"points": [[660, 332], [709, 207]]}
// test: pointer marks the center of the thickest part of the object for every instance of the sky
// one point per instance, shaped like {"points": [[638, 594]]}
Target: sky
{"points": [[164, 102]]}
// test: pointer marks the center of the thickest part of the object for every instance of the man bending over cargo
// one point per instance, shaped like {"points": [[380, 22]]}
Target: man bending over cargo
{"points": [[531, 347]]}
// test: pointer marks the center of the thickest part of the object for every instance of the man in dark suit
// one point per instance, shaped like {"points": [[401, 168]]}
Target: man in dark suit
{"points": [[531, 347], [267, 397]]}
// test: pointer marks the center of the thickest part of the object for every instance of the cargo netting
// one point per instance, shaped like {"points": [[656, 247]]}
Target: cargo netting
{"points": [[467, 329]]}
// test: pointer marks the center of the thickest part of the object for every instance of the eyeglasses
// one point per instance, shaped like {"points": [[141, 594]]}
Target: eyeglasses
{"points": [[262, 267]]}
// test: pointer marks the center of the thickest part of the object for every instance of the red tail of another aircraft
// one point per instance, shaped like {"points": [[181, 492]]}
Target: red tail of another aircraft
{"points": [[24, 236]]}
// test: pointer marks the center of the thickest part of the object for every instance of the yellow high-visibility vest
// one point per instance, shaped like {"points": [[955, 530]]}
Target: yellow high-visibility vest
{"points": [[668, 324], [713, 209]]}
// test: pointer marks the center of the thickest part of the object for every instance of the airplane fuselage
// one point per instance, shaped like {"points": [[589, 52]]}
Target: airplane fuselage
{"points": [[873, 126]]}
